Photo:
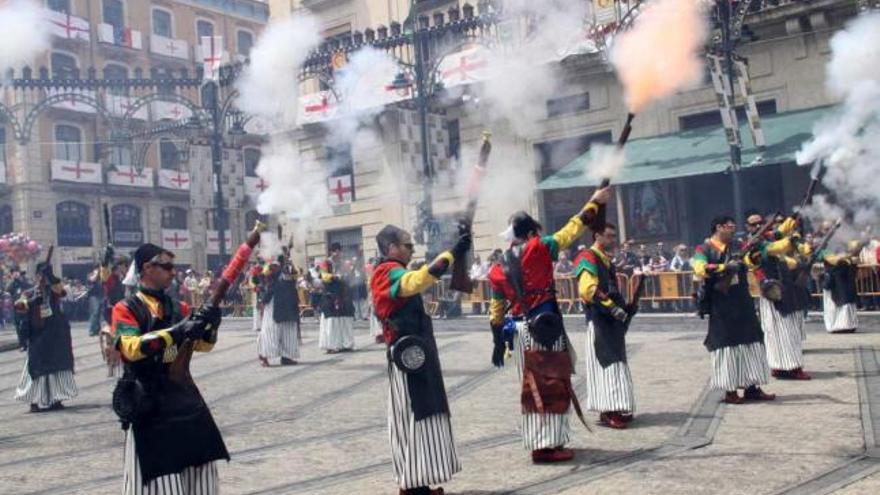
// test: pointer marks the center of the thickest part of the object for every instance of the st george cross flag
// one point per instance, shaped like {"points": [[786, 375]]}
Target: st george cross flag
{"points": [[171, 110], [126, 175], [213, 238], [175, 239], [317, 107], [67, 26], [76, 171], [212, 55], [340, 189], [174, 179], [254, 186], [465, 66]]}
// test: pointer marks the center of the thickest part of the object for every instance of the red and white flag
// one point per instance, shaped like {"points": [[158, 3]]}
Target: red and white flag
{"points": [[213, 244], [169, 47], [120, 105], [254, 186], [72, 99], [176, 239], [76, 171], [126, 175], [212, 56], [464, 67], [340, 189], [67, 26], [170, 110], [126, 37], [174, 179], [317, 107]]}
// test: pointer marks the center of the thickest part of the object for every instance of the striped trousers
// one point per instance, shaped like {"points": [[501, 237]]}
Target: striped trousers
{"points": [[195, 480], [782, 336], [47, 389], [839, 317], [739, 366], [608, 389], [256, 314], [336, 332], [422, 452], [277, 339], [540, 431], [375, 326]]}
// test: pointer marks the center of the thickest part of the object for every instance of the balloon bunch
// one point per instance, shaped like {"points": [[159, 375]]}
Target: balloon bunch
{"points": [[19, 248]]}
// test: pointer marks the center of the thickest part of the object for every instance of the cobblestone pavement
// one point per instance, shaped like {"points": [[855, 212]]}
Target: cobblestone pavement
{"points": [[319, 427]]}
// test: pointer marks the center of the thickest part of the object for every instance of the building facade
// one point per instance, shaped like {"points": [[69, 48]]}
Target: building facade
{"points": [[785, 47], [62, 164]]}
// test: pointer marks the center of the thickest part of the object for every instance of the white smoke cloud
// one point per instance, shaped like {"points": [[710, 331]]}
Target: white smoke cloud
{"points": [[269, 87], [270, 246], [606, 161], [848, 142], [25, 33]]}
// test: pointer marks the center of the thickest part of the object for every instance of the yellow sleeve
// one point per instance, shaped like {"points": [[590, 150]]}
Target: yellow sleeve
{"points": [[805, 249], [130, 345], [104, 273], [587, 285], [326, 276], [790, 262], [496, 311], [569, 233], [417, 281], [787, 226], [203, 346], [777, 248]]}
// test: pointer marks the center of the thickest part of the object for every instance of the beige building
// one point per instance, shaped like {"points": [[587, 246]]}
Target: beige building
{"points": [[786, 48], [62, 163]]}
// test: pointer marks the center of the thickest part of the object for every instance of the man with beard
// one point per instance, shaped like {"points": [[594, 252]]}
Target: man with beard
{"points": [[279, 332], [523, 279], [47, 378], [336, 327], [171, 439], [422, 449], [735, 341], [609, 383], [839, 293]]}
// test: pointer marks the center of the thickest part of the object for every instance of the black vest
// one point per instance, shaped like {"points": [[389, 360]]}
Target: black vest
{"points": [[609, 333], [49, 343], [841, 281], [732, 317]]}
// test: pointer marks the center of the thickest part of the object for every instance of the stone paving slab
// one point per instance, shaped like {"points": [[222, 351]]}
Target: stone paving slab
{"points": [[319, 427]]}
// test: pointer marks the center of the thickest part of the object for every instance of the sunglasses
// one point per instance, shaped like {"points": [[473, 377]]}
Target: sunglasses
{"points": [[166, 266]]}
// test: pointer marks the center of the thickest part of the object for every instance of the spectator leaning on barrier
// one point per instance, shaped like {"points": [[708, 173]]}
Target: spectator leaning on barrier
{"points": [[680, 261]]}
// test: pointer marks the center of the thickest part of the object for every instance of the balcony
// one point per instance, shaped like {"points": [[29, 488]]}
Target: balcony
{"points": [[169, 47], [124, 37], [174, 180], [69, 99], [255, 10], [128, 176], [76, 171]]}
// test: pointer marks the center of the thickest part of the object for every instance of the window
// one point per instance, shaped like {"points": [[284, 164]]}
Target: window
{"points": [[713, 117], [173, 218], [5, 219], [244, 42], [162, 24], [350, 239], [68, 143], [126, 225], [2, 146], [73, 224], [59, 6], [203, 28], [339, 159], [251, 160], [169, 159], [554, 155], [568, 105], [114, 14], [64, 66], [120, 155], [452, 128], [116, 72]]}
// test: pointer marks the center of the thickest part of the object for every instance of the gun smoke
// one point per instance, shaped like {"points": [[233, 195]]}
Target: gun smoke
{"points": [[24, 26]]}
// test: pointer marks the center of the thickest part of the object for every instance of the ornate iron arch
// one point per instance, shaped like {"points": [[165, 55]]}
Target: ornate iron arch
{"points": [[44, 104], [7, 117], [173, 98]]}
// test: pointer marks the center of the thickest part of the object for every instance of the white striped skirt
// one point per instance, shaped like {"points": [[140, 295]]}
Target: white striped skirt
{"points": [[256, 313], [839, 317], [422, 452], [608, 389], [195, 480], [783, 336], [46, 389], [540, 430], [739, 366], [277, 339], [336, 332]]}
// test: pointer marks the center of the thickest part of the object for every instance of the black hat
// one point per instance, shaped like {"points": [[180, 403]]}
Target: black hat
{"points": [[147, 252], [523, 224]]}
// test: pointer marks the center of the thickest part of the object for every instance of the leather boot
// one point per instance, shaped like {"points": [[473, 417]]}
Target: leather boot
{"points": [[799, 374], [755, 393], [732, 398]]}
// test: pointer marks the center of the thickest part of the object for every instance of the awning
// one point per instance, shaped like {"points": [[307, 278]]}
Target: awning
{"points": [[697, 151]]}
